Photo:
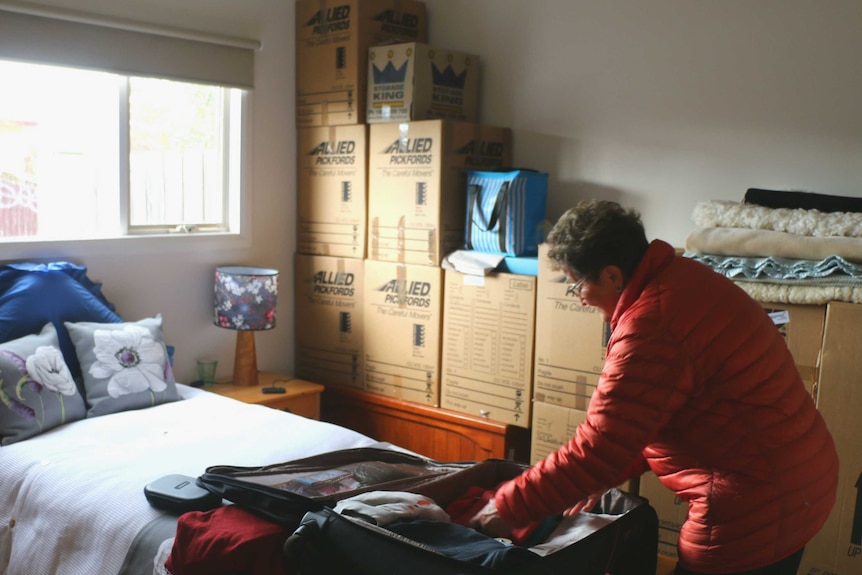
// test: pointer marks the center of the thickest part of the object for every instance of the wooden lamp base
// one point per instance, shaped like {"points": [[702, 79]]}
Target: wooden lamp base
{"points": [[245, 359]]}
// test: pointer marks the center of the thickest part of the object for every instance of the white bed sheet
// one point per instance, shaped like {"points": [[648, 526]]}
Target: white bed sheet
{"points": [[72, 500]]}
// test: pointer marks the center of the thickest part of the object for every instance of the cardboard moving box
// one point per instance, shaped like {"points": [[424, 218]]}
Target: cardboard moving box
{"points": [[332, 42], [571, 341], [417, 185], [802, 328], [329, 320], [415, 81], [403, 315], [487, 352], [331, 191], [837, 548], [553, 426]]}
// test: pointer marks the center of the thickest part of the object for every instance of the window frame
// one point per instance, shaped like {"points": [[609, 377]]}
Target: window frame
{"points": [[55, 36]]}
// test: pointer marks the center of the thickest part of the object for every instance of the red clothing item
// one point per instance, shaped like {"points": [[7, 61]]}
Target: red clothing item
{"points": [[462, 509], [227, 540], [698, 384]]}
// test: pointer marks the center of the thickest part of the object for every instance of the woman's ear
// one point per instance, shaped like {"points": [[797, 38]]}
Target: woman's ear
{"points": [[614, 276]]}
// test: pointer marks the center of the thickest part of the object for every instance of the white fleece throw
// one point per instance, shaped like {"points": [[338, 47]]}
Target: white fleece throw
{"points": [[725, 214]]}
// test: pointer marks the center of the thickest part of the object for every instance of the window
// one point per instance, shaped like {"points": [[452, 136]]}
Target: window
{"points": [[89, 154], [112, 128]]}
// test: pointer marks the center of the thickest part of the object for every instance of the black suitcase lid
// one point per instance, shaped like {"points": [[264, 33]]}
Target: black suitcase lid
{"points": [[284, 492]]}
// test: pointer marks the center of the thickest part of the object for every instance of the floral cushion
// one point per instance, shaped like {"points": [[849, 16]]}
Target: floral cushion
{"points": [[37, 392], [124, 365]]}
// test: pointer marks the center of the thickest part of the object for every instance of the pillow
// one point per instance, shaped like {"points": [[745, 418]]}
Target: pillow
{"points": [[33, 294], [124, 365], [37, 392]]}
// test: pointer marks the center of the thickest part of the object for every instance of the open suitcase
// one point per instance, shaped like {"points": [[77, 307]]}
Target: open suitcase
{"points": [[618, 536]]}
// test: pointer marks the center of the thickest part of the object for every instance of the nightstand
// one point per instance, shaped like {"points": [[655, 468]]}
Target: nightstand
{"points": [[299, 397]]}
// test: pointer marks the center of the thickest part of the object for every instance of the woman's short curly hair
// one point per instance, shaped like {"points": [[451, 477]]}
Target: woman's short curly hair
{"points": [[595, 234]]}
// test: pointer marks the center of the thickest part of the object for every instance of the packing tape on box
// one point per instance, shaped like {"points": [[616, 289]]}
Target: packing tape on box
{"points": [[401, 276], [432, 247], [374, 238], [401, 238]]}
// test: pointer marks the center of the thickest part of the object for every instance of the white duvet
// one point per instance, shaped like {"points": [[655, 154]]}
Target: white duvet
{"points": [[72, 499]]}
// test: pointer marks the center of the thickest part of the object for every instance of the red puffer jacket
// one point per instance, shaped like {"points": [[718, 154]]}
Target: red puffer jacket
{"points": [[698, 383]]}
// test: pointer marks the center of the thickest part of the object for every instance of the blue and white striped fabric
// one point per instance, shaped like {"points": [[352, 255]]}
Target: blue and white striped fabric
{"points": [[506, 211]]}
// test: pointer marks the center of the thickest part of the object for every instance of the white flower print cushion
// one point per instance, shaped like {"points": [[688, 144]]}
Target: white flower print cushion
{"points": [[124, 365], [37, 392]]}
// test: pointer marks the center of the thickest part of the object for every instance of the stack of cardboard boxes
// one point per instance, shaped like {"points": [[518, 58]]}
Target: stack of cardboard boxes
{"points": [[332, 42], [387, 128]]}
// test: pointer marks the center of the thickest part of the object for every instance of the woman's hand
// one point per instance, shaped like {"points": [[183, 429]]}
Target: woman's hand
{"points": [[489, 522], [584, 505]]}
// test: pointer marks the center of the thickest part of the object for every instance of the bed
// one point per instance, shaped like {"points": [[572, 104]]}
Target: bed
{"points": [[76, 452]]}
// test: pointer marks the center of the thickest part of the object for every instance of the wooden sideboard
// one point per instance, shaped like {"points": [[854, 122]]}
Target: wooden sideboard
{"points": [[437, 433]]}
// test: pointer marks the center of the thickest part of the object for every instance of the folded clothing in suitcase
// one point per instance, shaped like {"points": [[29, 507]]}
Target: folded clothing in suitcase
{"points": [[619, 536]]}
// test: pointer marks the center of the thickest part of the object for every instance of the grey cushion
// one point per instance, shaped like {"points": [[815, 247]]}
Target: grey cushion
{"points": [[37, 392], [124, 365]]}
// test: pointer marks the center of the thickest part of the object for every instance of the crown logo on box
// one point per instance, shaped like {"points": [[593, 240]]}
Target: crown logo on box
{"points": [[448, 77], [390, 74]]}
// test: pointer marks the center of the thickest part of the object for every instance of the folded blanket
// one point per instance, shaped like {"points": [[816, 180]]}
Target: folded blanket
{"points": [[831, 271], [725, 214], [764, 243], [804, 200]]}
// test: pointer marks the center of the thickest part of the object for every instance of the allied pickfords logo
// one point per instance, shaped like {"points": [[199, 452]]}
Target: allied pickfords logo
{"points": [[410, 151], [404, 293], [419, 151], [337, 18], [328, 282], [403, 24], [480, 153], [333, 19], [340, 153]]}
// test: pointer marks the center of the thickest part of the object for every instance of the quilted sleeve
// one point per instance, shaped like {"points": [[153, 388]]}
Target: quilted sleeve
{"points": [[646, 377]]}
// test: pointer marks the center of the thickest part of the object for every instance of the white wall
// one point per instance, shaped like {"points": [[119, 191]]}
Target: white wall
{"points": [[655, 103], [174, 276], [659, 104]]}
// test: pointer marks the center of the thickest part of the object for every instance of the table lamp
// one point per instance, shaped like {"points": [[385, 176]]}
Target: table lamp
{"points": [[245, 301]]}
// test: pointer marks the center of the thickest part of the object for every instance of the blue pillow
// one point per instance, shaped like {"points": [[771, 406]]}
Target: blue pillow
{"points": [[32, 295]]}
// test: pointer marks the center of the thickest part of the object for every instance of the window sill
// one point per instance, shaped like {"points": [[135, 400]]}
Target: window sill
{"points": [[123, 245]]}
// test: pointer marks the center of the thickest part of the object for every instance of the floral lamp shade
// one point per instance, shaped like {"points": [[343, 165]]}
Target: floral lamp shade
{"points": [[245, 297], [245, 300]]}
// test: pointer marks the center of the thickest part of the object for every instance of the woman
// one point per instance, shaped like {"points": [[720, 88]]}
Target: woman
{"points": [[699, 387]]}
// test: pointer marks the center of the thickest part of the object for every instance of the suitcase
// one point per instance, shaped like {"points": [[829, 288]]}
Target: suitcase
{"points": [[618, 536]]}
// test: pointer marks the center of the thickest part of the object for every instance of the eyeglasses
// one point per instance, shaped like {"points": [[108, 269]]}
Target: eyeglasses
{"points": [[576, 287]]}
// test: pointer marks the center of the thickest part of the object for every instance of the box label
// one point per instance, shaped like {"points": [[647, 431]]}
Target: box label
{"points": [[329, 320], [331, 191], [402, 331], [488, 327], [415, 169]]}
